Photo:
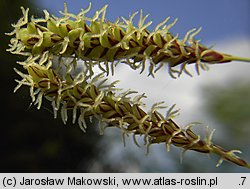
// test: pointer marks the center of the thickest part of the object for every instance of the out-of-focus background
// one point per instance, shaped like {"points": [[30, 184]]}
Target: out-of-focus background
{"points": [[32, 141]]}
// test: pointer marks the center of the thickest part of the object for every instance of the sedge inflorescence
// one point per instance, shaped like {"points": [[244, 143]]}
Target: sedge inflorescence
{"points": [[48, 42]]}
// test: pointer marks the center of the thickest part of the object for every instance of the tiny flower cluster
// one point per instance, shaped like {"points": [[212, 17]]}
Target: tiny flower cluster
{"points": [[48, 41]]}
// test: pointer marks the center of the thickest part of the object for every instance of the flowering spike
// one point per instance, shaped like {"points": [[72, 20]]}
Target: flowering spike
{"points": [[48, 43], [86, 100], [102, 41]]}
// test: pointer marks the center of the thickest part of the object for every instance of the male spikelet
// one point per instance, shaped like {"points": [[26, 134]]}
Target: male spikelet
{"points": [[104, 43]]}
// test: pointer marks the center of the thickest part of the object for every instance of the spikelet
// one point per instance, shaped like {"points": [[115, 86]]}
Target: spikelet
{"points": [[101, 42], [86, 100], [47, 42]]}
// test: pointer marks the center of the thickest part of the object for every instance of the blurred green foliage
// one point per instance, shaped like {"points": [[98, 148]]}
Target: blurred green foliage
{"points": [[228, 105]]}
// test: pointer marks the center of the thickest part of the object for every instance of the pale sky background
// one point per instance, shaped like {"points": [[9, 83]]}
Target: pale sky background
{"points": [[225, 24]]}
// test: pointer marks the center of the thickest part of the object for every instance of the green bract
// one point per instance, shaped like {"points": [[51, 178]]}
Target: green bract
{"points": [[47, 42]]}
